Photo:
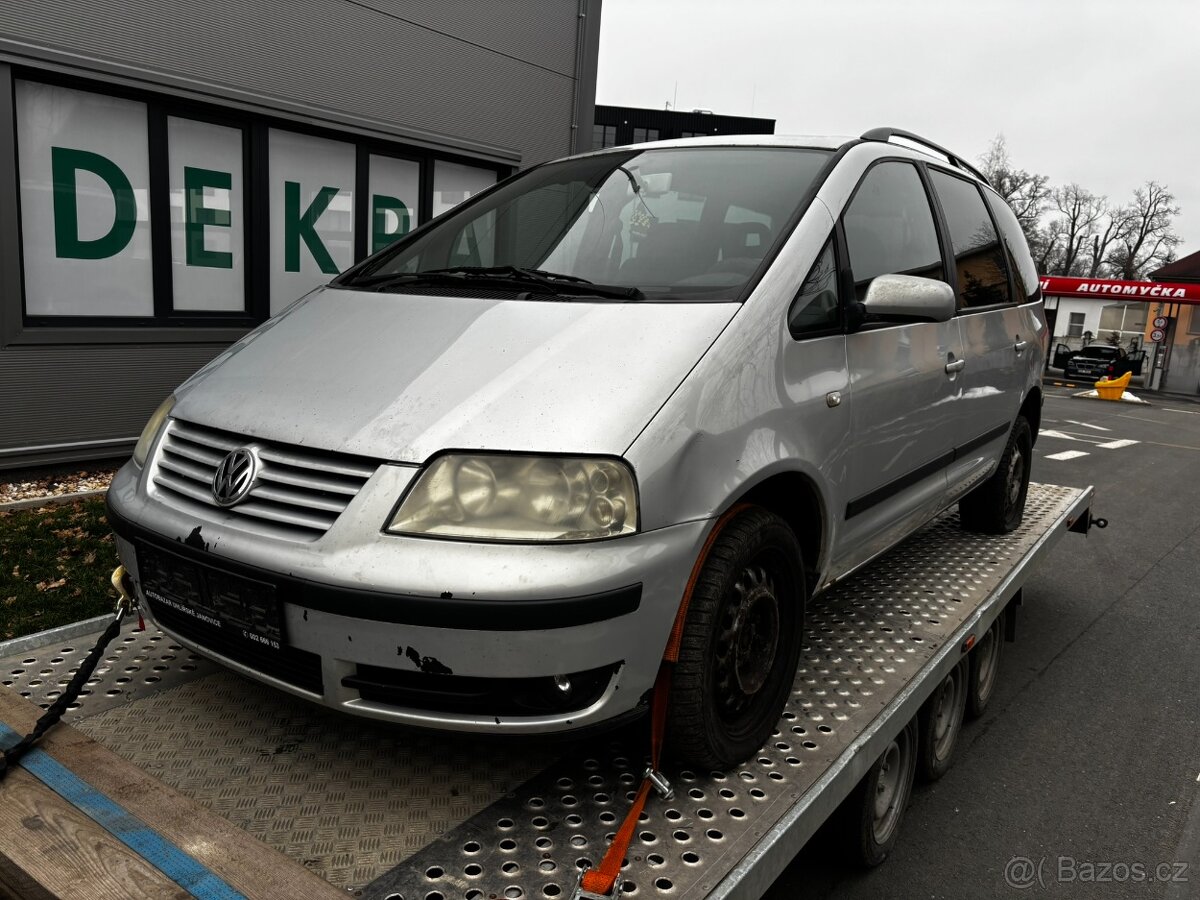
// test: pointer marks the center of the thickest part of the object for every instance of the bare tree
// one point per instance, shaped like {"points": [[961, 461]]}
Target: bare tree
{"points": [[1148, 239], [1045, 245], [1080, 212], [1114, 228], [1026, 192]]}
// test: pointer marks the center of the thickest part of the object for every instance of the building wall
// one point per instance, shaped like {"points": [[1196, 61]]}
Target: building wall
{"points": [[247, 152], [1181, 362]]}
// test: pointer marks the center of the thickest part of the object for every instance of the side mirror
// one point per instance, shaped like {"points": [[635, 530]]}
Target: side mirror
{"points": [[907, 298]]}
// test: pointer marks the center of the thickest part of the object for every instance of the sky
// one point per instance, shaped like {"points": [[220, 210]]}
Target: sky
{"points": [[1103, 94]]}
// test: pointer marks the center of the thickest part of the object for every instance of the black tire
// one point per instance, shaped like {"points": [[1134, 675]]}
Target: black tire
{"points": [[740, 645], [998, 505], [984, 662], [868, 821], [940, 723]]}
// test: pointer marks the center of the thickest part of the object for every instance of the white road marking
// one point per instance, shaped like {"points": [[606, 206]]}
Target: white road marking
{"points": [[1117, 445], [1067, 454], [1057, 434], [1088, 425], [1190, 412]]}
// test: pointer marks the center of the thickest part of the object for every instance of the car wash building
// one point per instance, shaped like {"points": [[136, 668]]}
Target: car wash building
{"points": [[173, 174]]}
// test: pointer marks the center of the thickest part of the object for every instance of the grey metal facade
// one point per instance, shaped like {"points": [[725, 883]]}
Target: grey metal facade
{"points": [[502, 85]]}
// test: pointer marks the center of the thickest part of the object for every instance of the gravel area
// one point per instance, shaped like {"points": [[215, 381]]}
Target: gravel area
{"points": [[55, 485]]}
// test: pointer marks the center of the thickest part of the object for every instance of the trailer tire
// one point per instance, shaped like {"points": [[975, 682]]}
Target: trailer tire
{"points": [[984, 661], [869, 819], [940, 723], [740, 643], [997, 505]]}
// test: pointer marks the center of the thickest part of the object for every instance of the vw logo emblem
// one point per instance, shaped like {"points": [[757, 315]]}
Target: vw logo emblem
{"points": [[234, 477]]}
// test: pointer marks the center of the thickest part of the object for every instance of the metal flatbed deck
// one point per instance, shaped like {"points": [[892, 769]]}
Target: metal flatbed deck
{"points": [[383, 812]]}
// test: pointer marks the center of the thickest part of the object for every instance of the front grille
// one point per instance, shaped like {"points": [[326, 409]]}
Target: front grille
{"points": [[478, 696], [299, 492], [290, 664]]}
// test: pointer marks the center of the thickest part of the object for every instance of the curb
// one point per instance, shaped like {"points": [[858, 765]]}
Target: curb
{"points": [[52, 500], [41, 639]]}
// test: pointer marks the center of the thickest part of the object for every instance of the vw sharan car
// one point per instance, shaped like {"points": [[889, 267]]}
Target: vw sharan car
{"points": [[468, 484]]}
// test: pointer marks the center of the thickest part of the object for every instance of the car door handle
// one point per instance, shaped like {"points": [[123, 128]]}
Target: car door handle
{"points": [[957, 366], [1020, 345]]}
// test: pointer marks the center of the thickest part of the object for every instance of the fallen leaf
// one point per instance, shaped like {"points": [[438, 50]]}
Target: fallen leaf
{"points": [[51, 585]]}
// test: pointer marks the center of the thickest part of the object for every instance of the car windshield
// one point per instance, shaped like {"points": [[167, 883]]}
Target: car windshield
{"points": [[1101, 352], [662, 224]]}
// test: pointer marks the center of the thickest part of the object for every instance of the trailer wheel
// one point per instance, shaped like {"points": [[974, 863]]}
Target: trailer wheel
{"points": [[984, 662], [997, 505], [940, 723], [740, 644], [870, 817]]}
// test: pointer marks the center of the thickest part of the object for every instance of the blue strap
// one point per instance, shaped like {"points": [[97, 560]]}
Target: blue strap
{"points": [[143, 840]]}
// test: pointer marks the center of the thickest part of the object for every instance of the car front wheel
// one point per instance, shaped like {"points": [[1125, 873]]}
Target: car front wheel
{"points": [[740, 644]]}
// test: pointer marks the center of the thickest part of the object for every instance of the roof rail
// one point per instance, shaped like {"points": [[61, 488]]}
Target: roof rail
{"points": [[886, 134]]}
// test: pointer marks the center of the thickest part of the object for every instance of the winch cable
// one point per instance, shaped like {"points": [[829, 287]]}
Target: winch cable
{"points": [[56, 709], [604, 880]]}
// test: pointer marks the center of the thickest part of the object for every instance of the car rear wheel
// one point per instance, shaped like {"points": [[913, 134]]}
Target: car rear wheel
{"points": [[998, 505], [740, 644]]}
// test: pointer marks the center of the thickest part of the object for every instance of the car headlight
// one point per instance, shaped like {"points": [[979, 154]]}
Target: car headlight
{"points": [[150, 432], [520, 498]]}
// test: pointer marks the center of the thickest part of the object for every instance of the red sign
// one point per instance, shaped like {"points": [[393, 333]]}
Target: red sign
{"points": [[1158, 335], [1106, 288]]}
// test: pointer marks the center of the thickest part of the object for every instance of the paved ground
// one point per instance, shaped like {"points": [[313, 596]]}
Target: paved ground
{"points": [[1087, 764]]}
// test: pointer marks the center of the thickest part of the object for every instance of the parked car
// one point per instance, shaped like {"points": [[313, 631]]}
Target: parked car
{"points": [[468, 484], [1099, 360]]}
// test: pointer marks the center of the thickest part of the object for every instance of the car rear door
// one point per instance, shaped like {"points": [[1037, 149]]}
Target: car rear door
{"points": [[998, 339], [905, 378]]}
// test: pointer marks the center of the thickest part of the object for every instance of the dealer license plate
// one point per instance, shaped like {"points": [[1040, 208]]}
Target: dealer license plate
{"points": [[239, 607]]}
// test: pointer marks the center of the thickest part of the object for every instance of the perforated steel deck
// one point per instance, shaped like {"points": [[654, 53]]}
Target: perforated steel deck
{"points": [[403, 816]]}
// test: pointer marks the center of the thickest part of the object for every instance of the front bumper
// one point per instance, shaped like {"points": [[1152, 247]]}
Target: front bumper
{"points": [[380, 625]]}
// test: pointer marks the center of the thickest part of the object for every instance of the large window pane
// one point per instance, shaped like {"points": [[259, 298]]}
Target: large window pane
{"points": [[889, 227], [978, 256], [452, 184], [208, 242], [395, 191], [312, 213], [85, 210]]}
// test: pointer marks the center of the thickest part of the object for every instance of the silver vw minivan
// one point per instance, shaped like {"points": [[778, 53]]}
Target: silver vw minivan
{"points": [[473, 482]]}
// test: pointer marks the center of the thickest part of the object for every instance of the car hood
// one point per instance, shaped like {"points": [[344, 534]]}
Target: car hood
{"points": [[401, 377]]}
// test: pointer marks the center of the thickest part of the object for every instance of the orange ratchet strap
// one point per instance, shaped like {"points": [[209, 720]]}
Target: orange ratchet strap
{"points": [[604, 882]]}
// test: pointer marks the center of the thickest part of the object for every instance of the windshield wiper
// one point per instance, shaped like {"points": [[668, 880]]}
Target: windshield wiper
{"points": [[505, 277]]}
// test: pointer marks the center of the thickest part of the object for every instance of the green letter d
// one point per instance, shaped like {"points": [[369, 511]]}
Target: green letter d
{"points": [[64, 162]]}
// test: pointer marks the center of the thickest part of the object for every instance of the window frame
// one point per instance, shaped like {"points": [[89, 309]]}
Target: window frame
{"points": [[166, 325]]}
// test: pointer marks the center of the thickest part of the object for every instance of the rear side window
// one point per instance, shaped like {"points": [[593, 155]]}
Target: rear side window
{"points": [[978, 255], [1023, 267], [889, 227]]}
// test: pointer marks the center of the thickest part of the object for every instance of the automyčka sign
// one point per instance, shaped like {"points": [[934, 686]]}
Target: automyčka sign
{"points": [[1146, 291]]}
